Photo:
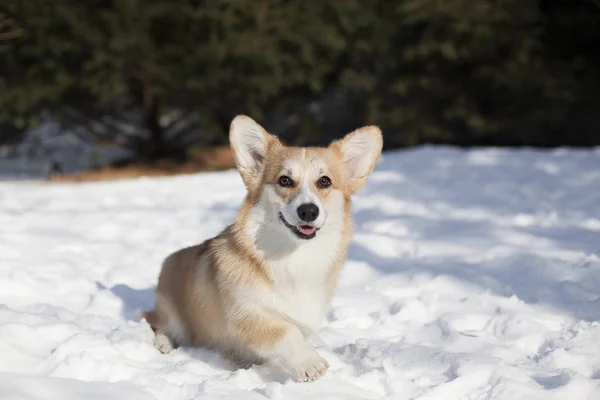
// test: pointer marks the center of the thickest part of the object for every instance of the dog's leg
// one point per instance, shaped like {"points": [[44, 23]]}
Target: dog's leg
{"points": [[163, 343], [295, 353], [283, 344], [169, 332]]}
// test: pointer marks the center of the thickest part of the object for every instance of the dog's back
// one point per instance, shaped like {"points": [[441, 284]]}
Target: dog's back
{"points": [[187, 309]]}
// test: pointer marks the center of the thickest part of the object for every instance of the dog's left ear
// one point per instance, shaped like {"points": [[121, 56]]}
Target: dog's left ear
{"points": [[249, 143], [359, 150]]}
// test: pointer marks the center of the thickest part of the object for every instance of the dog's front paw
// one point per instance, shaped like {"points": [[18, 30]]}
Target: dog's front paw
{"points": [[310, 368]]}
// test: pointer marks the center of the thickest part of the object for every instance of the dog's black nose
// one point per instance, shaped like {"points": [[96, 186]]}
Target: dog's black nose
{"points": [[308, 212]]}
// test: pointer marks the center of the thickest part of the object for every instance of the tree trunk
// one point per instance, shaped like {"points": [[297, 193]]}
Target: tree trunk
{"points": [[154, 146]]}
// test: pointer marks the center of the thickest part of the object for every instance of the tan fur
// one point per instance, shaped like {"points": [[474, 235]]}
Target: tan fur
{"points": [[336, 266], [259, 331], [206, 293], [354, 185]]}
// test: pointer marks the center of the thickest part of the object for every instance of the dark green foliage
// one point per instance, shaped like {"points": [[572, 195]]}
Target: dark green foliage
{"points": [[158, 75], [486, 72]]}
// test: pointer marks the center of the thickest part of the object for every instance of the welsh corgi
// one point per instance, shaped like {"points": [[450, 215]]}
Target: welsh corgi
{"points": [[260, 288]]}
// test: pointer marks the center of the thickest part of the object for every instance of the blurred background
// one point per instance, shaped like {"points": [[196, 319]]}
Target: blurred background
{"points": [[136, 87]]}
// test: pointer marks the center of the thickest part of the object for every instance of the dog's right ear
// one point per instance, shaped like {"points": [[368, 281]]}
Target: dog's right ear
{"points": [[249, 143]]}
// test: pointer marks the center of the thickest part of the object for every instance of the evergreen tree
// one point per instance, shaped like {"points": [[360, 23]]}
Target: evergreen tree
{"points": [[156, 75], [483, 72], [8, 30]]}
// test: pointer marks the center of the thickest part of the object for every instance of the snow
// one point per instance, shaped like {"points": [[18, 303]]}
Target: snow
{"points": [[46, 144], [472, 275]]}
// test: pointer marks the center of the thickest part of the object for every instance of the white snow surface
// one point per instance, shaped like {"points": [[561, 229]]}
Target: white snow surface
{"points": [[472, 275]]}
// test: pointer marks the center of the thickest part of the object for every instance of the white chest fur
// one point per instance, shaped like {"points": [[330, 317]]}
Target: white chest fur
{"points": [[299, 281], [298, 268]]}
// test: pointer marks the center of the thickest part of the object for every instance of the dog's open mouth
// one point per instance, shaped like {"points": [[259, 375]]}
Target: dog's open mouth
{"points": [[302, 231]]}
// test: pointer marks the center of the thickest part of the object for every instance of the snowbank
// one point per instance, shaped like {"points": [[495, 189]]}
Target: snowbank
{"points": [[49, 147], [472, 275]]}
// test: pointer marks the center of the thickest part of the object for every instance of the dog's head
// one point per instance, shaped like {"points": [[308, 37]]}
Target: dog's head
{"points": [[302, 190]]}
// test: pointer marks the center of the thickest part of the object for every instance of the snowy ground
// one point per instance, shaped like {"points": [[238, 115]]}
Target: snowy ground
{"points": [[472, 275]]}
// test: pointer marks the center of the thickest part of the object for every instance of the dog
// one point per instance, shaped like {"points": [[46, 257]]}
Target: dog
{"points": [[260, 288]]}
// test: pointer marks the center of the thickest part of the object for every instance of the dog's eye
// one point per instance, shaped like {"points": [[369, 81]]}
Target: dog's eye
{"points": [[285, 181], [324, 182]]}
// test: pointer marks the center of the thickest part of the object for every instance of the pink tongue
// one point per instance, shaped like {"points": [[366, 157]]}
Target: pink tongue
{"points": [[306, 230]]}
